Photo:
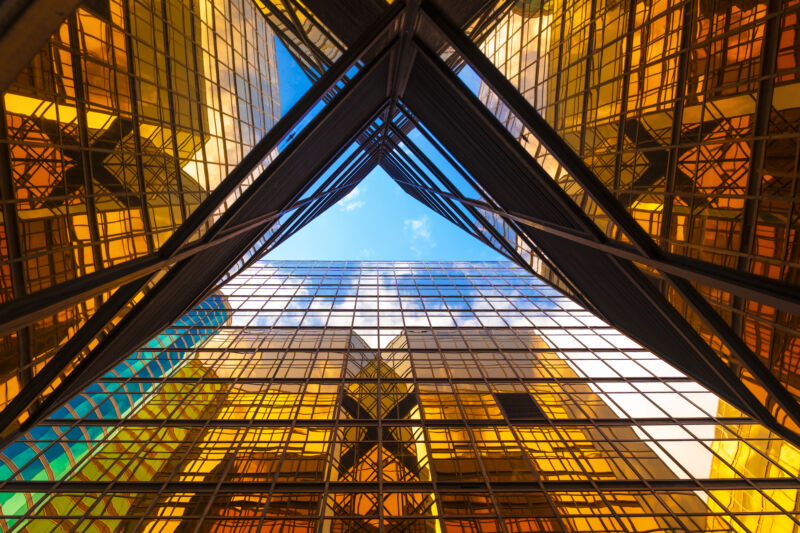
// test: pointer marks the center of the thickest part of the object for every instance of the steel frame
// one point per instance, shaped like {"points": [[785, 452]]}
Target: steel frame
{"points": [[236, 239]]}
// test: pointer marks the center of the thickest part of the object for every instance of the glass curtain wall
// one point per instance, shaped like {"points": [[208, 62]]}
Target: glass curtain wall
{"points": [[369, 396], [121, 125], [686, 111]]}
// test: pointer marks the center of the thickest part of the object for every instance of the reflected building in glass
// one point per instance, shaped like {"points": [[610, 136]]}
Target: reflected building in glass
{"points": [[124, 122], [374, 396], [688, 113]]}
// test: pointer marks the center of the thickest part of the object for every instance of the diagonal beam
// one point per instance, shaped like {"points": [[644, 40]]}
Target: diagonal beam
{"points": [[578, 169], [783, 296], [286, 177], [25, 28], [516, 181], [187, 281], [342, 185]]}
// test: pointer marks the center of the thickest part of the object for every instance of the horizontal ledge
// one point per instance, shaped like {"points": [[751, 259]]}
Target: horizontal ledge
{"points": [[329, 422], [84, 487]]}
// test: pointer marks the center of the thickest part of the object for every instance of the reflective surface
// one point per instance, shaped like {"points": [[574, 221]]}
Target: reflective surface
{"points": [[400, 397], [123, 123], [687, 112]]}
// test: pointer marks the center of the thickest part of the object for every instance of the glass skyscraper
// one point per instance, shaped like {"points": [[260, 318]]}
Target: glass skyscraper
{"points": [[419, 396], [125, 121], [633, 366], [687, 113]]}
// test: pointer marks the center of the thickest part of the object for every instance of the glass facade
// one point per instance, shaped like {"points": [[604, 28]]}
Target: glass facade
{"points": [[369, 396], [124, 122], [687, 112]]}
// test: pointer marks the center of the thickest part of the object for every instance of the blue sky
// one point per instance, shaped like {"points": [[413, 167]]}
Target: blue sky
{"points": [[377, 221]]}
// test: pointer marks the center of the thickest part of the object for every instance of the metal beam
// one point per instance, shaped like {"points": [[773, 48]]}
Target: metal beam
{"points": [[282, 182], [25, 27], [590, 486], [514, 179], [155, 319], [685, 267], [584, 176]]}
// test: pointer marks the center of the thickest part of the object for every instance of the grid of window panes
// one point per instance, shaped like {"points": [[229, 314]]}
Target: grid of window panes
{"points": [[685, 110], [331, 396], [122, 124]]}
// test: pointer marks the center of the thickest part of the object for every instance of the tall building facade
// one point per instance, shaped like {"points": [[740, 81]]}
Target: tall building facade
{"points": [[123, 123], [686, 111], [373, 396]]}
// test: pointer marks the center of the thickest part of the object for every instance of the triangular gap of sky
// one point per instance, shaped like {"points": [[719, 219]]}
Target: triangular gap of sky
{"points": [[377, 220]]}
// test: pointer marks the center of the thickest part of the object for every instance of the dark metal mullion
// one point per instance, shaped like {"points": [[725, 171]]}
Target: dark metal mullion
{"points": [[677, 121], [13, 246], [587, 79], [423, 486], [136, 133], [624, 90], [606, 201], [769, 60], [171, 108], [83, 135]]}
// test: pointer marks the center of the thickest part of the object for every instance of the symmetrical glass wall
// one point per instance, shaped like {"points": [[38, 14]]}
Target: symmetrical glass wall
{"points": [[122, 124], [687, 111], [331, 396]]}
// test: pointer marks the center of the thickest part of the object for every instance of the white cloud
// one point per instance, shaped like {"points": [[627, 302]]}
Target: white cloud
{"points": [[350, 202], [420, 230], [420, 227]]}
